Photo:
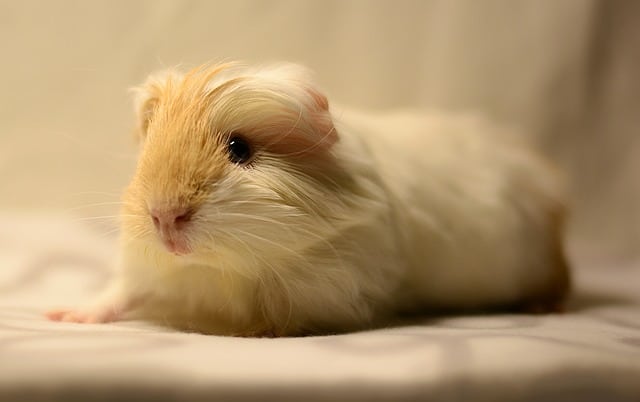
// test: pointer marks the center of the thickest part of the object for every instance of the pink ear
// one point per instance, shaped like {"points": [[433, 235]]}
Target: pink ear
{"points": [[298, 133], [319, 99], [322, 118]]}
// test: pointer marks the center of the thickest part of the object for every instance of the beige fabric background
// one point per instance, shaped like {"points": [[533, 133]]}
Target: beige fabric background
{"points": [[564, 71]]}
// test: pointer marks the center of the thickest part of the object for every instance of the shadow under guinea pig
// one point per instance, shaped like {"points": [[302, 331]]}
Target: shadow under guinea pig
{"points": [[580, 301]]}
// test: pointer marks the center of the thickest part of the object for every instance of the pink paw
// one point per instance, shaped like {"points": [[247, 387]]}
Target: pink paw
{"points": [[95, 316]]}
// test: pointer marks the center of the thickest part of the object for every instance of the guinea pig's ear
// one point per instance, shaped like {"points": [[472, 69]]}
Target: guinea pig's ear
{"points": [[147, 97], [316, 132], [321, 117]]}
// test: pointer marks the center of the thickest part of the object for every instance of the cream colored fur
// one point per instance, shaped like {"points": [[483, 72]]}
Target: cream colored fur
{"points": [[342, 219]]}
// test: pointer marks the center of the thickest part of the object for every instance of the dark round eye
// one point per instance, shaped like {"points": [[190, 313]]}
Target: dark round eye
{"points": [[239, 149]]}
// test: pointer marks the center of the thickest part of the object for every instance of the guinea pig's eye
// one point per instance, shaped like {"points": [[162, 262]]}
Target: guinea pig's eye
{"points": [[239, 149]]}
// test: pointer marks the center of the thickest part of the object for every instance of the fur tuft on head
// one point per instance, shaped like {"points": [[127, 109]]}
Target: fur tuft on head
{"points": [[277, 105]]}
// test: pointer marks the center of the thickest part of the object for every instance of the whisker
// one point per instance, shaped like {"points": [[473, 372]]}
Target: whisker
{"points": [[290, 251], [248, 217], [109, 233], [254, 275], [107, 217], [118, 195], [99, 204]]}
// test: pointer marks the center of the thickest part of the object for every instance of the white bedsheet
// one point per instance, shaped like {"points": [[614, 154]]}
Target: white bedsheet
{"points": [[591, 352]]}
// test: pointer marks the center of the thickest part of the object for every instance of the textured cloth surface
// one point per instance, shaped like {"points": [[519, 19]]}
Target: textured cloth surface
{"points": [[563, 73], [591, 351]]}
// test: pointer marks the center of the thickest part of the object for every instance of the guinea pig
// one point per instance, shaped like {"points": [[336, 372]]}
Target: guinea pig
{"points": [[255, 210]]}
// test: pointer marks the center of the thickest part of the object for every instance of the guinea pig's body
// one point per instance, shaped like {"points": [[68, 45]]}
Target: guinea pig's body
{"points": [[256, 211]]}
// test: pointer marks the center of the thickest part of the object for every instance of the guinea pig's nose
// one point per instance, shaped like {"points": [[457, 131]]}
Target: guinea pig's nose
{"points": [[170, 219]]}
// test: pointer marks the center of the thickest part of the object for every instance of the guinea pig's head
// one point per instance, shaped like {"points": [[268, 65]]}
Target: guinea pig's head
{"points": [[235, 163]]}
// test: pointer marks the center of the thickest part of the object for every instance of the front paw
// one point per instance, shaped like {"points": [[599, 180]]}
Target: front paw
{"points": [[98, 315]]}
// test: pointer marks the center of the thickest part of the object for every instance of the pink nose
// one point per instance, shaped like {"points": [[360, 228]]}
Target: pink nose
{"points": [[170, 220]]}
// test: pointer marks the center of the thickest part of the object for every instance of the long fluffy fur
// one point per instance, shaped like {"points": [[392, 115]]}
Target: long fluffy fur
{"points": [[338, 222]]}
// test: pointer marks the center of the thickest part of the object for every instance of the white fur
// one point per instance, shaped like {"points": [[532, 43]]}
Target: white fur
{"points": [[471, 207], [414, 211]]}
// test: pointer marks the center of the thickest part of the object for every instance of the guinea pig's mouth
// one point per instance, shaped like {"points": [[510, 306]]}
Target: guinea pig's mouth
{"points": [[171, 224], [175, 242], [177, 245]]}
